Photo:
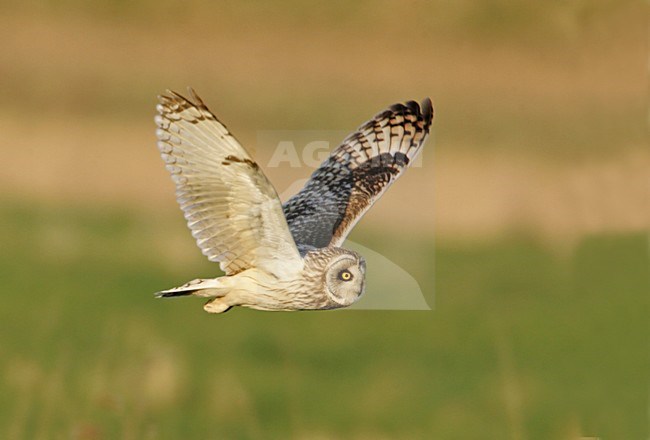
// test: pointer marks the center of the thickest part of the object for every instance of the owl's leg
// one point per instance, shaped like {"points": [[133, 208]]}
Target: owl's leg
{"points": [[217, 305]]}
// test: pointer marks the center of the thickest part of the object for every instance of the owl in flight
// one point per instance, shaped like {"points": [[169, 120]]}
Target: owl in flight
{"points": [[280, 257]]}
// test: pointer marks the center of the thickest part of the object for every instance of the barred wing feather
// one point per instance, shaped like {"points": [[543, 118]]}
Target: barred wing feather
{"points": [[356, 175]]}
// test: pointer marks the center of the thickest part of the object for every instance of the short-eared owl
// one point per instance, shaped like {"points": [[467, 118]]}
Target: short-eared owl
{"points": [[280, 257]]}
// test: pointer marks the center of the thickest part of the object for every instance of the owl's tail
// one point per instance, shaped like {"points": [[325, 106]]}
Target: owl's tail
{"points": [[210, 288], [214, 288]]}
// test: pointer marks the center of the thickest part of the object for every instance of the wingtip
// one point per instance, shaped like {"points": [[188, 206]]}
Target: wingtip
{"points": [[195, 97], [165, 97], [171, 98], [170, 94], [427, 109]]}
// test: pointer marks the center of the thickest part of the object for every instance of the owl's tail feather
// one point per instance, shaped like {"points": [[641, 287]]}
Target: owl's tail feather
{"points": [[170, 293], [210, 288]]}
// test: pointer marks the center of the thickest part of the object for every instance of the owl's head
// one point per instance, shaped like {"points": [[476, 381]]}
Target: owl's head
{"points": [[345, 278]]}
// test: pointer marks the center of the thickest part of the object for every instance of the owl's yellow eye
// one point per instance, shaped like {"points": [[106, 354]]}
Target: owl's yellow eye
{"points": [[345, 275]]}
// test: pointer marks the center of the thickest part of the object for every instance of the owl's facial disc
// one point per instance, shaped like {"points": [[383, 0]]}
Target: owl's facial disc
{"points": [[345, 279]]}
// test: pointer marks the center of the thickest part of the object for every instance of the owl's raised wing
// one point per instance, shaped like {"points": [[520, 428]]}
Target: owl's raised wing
{"points": [[232, 209], [356, 174]]}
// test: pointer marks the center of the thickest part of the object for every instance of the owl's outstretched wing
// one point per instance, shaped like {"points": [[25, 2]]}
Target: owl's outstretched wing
{"points": [[356, 174], [232, 209]]}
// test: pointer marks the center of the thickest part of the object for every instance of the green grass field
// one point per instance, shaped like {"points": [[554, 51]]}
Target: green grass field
{"points": [[522, 343]]}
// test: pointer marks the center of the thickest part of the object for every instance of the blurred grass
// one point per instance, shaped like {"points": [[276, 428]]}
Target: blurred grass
{"points": [[523, 342]]}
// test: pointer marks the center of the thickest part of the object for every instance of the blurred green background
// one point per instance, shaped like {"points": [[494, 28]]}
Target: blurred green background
{"points": [[525, 226]]}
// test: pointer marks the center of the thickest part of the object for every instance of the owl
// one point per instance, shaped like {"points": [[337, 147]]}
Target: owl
{"points": [[280, 257]]}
